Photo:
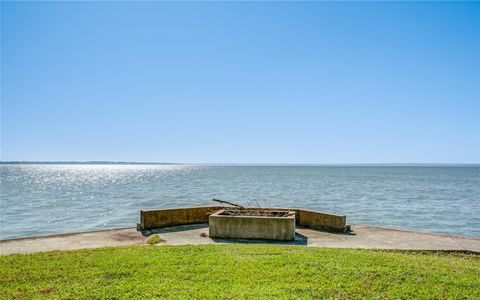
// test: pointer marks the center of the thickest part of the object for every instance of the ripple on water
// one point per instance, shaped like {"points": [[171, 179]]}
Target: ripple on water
{"points": [[47, 199]]}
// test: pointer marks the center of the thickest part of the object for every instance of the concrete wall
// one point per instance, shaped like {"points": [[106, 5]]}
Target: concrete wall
{"points": [[321, 220], [251, 227], [156, 218]]}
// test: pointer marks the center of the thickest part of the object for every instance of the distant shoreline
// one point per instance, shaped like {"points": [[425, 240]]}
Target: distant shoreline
{"points": [[84, 163], [241, 164]]}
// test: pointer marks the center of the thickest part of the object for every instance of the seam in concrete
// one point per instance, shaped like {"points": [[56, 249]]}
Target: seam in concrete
{"points": [[64, 234], [414, 231], [454, 238]]}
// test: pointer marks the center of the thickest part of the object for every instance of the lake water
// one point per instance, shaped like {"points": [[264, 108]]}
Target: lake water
{"points": [[47, 199]]}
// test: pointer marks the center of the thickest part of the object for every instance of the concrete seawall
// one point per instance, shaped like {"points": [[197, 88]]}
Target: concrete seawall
{"points": [[164, 217]]}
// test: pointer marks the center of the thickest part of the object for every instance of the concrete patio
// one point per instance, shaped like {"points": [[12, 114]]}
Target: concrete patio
{"points": [[362, 236]]}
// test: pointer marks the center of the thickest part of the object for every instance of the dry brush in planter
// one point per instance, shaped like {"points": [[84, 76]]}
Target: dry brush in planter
{"points": [[240, 222]]}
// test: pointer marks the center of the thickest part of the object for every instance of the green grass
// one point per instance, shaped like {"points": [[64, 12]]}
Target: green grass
{"points": [[239, 271], [155, 239]]}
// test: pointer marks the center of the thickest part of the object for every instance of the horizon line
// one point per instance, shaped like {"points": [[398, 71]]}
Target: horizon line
{"points": [[105, 162]]}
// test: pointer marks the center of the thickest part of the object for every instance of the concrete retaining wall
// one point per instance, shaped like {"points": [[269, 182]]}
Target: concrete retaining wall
{"points": [[321, 220], [251, 227], [157, 218]]}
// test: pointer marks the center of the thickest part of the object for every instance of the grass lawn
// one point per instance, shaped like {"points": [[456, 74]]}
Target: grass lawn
{"points": [[239, 271]]}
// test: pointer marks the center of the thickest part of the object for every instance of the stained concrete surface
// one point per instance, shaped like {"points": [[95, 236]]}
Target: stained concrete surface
{"points": [[363, 236]]}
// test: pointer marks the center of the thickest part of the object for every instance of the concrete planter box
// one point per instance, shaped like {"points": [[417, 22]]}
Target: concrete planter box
{"points": [[252, 227]]}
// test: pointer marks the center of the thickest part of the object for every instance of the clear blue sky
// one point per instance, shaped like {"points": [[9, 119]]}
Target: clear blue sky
{"points": [[241, 82]]}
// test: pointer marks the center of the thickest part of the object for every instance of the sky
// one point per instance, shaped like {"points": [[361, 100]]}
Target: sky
{"points": [[255, 82]]}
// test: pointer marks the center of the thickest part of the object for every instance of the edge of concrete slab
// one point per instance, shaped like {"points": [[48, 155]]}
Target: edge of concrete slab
{"points": [[362, 237]]}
